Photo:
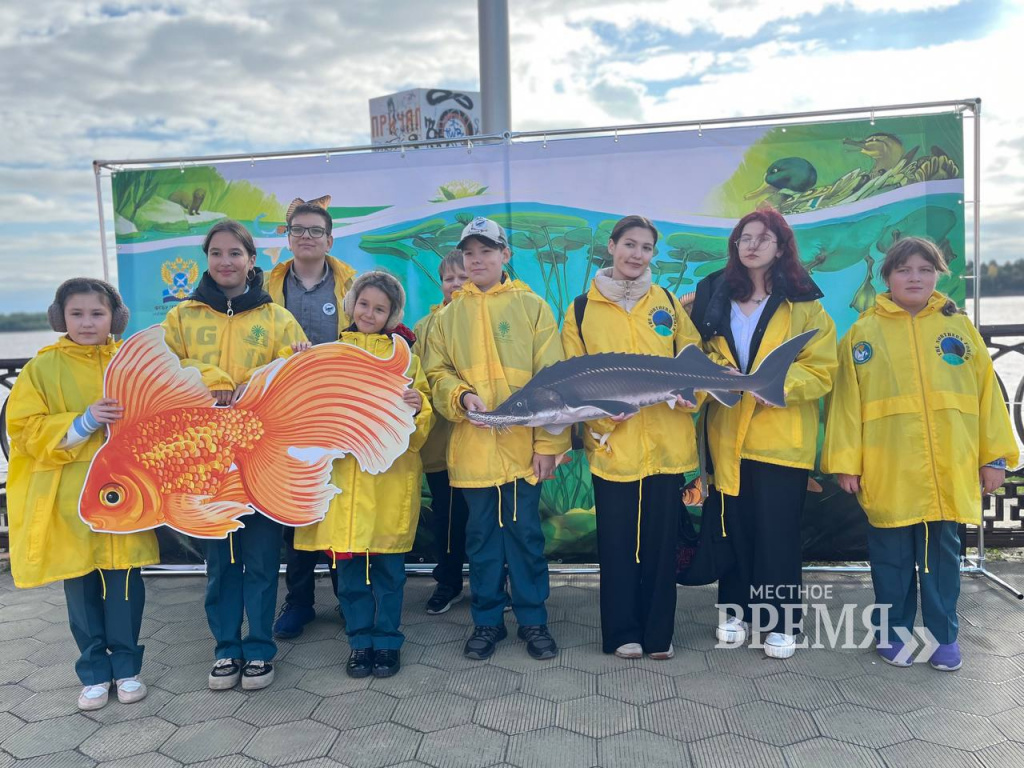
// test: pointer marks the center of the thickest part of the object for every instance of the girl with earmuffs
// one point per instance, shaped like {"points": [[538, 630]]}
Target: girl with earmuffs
{"points": [[56, 416]]}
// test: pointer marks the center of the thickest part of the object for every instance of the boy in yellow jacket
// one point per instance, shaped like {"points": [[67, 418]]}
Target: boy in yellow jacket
{"points": [[447, 505], [486, 345], [917, 429], [371, 524], [56, 417], [227, 329], [312, 286]]}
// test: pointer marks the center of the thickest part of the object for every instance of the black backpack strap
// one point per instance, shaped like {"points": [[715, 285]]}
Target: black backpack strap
{"points": [[579, 308], [673, 302]]}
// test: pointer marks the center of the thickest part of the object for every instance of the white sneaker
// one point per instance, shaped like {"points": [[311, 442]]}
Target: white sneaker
{"points": [[94, 697], [664, 655], [630, 651], [779, 646], [130, 690], [733, 631]]}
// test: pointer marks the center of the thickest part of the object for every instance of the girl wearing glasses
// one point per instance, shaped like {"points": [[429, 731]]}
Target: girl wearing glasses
{"points": [[760, 456]]}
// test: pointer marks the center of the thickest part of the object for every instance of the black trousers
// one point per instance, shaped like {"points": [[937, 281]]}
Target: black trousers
{"points": [[763, 524], [638, 599], [299, 574], [448, 525]]}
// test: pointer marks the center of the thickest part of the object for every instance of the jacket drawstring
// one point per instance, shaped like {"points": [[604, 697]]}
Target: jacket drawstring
{"points": [[515, 500], [639, 509], [367, 567], [451, 507], [334, 560], [126, 575], [500, 524], [231, 546], [103, 581], [722, 496], [926, 548]]}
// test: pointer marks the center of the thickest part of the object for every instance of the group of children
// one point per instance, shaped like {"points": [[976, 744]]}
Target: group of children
{"points": [[914, 401]]}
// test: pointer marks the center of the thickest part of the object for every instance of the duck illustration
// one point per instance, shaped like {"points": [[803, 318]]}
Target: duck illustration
{"points": [[785, 179], [884, 149]]}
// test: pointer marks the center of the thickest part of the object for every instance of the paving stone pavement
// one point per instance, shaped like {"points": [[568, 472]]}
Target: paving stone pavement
{"points": [[705, 707]]}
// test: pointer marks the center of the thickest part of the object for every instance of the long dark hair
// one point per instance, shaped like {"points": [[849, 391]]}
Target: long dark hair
{"points": [[788, 267]]}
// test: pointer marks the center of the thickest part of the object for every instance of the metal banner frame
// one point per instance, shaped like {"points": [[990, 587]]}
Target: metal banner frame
{"points": [[966, 109]]}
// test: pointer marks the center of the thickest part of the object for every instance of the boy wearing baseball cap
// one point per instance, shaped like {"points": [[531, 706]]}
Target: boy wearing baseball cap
{"points": [[485, 346]]}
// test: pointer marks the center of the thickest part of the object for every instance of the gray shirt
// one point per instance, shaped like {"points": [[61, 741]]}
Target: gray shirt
{"points": [[316, 309]]}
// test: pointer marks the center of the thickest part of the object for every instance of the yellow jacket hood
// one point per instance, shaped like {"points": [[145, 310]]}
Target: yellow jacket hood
{"points": [[916, 411], [491, 343], [49, 541], [375, 513]]}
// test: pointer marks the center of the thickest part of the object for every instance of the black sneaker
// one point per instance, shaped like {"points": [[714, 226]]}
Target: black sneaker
{"points": [[444, 597], [539, 642], [257, 674], [481, 643], [360, 662], [386, 663]]}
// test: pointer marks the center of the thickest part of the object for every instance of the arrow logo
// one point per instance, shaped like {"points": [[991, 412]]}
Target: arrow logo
{"points": [[909, 638]]}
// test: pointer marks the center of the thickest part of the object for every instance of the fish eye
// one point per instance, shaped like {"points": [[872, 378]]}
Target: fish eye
{"points": [[111, 495]]}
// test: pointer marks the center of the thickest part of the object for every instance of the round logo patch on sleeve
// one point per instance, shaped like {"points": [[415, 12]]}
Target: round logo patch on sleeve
{"points": [[862, 352]]}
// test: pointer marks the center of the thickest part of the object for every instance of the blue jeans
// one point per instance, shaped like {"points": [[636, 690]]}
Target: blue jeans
{"points": [[248, 585], [106, 629], [894, 553], [300, 574], [373, 612], [516, 541]]}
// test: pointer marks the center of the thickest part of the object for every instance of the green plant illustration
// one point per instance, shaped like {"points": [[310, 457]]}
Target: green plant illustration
{"points": [[458, 189]]}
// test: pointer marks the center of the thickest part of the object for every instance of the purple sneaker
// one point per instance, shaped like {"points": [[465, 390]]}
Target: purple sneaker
{"points": [[893, 654], [947, 658]]}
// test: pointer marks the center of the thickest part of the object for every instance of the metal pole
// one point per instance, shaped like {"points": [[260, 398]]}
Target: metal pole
{"points": [[977, 215], [495, 83], [103, 224]]}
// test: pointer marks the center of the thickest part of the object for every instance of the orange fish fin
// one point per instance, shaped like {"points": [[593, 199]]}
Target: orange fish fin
{"points": [[231, 489], [145, 377], [203, 517], [329, 401]]}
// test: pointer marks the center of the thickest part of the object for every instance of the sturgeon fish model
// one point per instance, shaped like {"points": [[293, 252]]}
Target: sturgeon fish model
{"points": [[607, 384]]}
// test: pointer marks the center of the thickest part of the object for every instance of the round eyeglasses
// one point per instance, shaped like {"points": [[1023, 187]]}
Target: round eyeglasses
{"points": [[756, 243]]}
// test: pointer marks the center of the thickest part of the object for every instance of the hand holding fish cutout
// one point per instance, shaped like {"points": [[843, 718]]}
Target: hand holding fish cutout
{"points": [[618, 385], [174, 459]]}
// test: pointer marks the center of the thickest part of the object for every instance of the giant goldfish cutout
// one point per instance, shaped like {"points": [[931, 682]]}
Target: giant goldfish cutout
{"points": [[175, 459]]}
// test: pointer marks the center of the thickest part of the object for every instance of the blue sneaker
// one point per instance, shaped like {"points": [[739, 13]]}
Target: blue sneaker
{"points": [[891, 654], [292, 620], [947, 658]]}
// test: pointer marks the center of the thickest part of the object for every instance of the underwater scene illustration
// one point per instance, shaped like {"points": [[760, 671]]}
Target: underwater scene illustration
{"points": [[850, 189]]}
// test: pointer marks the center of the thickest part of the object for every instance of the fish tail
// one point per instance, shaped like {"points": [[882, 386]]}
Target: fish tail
{"points": [[769, 380], [314, 407]]}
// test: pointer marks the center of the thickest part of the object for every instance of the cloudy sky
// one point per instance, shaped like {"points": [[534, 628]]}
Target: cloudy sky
{"points": [[84, 80]]}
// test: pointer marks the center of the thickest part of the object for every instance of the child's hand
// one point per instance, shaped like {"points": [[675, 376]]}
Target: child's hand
{"points": [[473, 402], [765, 404], [237, 394], [414, 398], [544, 466], [107, 411], [624, 417], [991, 478], [680, 400], [301, 346], [849, 483], [223, 396]]}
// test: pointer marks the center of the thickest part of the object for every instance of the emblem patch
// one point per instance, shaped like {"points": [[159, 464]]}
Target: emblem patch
{"points": [[662, 321], [953, 349], [862, 352], [329, 309]]}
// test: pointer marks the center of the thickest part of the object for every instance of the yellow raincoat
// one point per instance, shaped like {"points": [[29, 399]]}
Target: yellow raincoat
{"points": [[375, 513], [916, 411], [227, 350], [435, 449], [658, 440], [785, 436], [49, 541], [492, 344], [343, 277]]}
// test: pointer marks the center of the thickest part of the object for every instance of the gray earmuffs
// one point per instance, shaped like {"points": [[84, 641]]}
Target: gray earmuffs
{"points": [[119, 312], [388, 284]]}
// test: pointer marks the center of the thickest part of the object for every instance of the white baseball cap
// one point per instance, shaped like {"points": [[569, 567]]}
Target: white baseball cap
{"points": [[485, 229]]}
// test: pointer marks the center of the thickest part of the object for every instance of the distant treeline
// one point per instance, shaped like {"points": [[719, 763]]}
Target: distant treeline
{"points": [[23, 321], [1000, 279]]}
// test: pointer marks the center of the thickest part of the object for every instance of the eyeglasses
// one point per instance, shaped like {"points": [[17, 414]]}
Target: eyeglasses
{"points": [[296, 231], [757, 243]]}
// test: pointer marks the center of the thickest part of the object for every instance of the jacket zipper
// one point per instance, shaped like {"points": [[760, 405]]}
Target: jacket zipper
{"points": [[927, 418]]}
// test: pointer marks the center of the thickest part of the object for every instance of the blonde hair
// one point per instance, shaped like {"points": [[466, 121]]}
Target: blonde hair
{"points": [[451, 261]]}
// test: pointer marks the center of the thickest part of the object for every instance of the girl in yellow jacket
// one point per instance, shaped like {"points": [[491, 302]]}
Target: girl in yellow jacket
{"points": [[917, 429], [371, 524], [637, 462], [227, 329], [485, 345], [761, 456], [55, 416], [447, 505]]}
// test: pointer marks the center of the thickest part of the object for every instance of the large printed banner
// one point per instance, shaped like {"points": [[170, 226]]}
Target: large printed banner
{"points": [[849, 188]]}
